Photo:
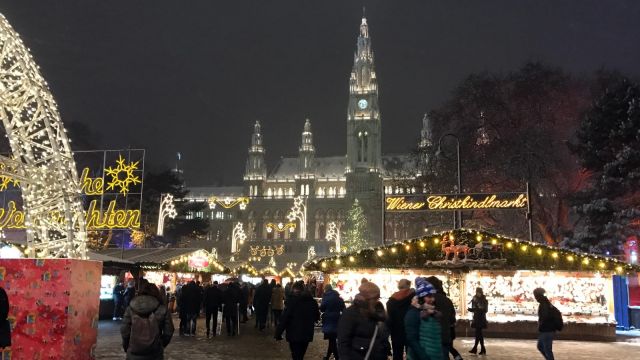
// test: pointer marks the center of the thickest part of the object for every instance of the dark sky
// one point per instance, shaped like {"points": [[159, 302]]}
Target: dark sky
{"points": [[192, 76]]}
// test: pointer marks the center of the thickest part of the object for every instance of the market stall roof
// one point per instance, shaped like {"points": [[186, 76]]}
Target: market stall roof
{"points": [[467, 249], [108, 259], [147, 255]]}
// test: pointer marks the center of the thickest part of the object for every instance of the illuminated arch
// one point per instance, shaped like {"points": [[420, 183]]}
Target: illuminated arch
{"points": [[42, 158]]}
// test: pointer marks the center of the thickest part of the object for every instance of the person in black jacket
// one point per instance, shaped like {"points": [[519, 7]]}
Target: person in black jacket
{"points": [[298, 320], [212, 302], [5, 326], [447, 320], [231, 297], [479, 306], [261, 301], [546, 324], [358, 324], [118, 301], [397, 308], [192, 301]]}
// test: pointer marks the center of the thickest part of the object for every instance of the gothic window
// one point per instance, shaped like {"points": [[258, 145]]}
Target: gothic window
{"points": [[306, 189], [322, 234], [343, 192], [269, 192], [280, 194], [365, 144]]}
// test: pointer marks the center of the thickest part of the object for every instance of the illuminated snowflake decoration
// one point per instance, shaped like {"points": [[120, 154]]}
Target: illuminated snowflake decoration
{"points": [[6, 181], [122, 176]]}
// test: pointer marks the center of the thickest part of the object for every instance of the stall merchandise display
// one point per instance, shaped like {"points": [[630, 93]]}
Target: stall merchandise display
{"points": [[582, 297], [107, 283]]}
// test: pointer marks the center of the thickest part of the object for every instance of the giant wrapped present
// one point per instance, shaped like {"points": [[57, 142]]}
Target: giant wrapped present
{"points": [[53, 307]]}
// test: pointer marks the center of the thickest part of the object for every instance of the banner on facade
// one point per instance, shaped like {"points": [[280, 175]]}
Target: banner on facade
{"points": [[451, 202]]}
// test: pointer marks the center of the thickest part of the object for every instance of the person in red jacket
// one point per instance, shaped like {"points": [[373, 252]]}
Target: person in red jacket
{"points": [[397, 307]]}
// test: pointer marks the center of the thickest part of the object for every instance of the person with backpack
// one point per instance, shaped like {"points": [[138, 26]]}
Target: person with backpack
{"points": [[147, 327], [549, 321], [479, 307]]}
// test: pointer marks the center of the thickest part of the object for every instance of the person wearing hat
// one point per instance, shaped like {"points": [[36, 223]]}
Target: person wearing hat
{"points": [[362, 334], [447, 321], [422, 325]]}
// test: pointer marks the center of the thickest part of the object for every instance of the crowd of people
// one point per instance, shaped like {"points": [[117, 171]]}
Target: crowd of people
{"points": [[418, 322]]}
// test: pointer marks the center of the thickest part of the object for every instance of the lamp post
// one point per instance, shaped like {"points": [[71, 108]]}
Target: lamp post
{"points": [[457, 223]]}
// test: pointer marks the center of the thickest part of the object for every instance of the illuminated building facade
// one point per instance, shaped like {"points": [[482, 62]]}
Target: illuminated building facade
{"points": [[327, 185]]}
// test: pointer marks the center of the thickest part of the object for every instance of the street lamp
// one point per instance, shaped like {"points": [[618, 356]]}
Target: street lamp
{"points": [[438, 152]]}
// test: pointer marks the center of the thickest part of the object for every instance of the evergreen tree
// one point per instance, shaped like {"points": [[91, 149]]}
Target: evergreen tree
{"points": [[356, 234], [609, 150]]}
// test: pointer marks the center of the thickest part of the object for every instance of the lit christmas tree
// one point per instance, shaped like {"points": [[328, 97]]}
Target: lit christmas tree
{"points": [[356, 234]]}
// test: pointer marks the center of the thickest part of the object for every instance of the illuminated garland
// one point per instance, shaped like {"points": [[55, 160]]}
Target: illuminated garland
{"points": [[426, 252], [280, 227], [228, 202]]}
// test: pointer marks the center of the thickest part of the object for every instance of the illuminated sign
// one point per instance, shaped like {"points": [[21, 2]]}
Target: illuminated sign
{"points": [[111, 218], [198, 261], [101, 213], [281, 227], [409, 203]]}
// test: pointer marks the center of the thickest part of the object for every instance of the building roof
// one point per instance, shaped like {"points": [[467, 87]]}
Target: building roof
{"points": [[204, 192], [325, 167], [398, 165]]}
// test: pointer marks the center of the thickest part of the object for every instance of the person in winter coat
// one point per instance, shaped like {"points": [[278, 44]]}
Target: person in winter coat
{"points": [[277, 303], [192, 301], [261, 301], [298, 320], [246, 300], [5, 326], [479, 307], [331, 307], [422, 327], [129, 294], [358, 324], [397, 308], [447, 321], [134, 333], [231, 297], [546, 324], [212, 302]]}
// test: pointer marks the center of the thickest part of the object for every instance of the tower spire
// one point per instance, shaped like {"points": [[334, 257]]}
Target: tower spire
{"points": [[426, 134], [307, 150], [256, 168]]}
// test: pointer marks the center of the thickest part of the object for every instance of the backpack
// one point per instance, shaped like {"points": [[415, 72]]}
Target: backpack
{"points": [[145, 332], [556, 316]]}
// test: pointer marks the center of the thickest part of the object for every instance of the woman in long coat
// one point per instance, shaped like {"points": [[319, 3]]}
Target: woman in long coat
{"points": [[479, 307]]}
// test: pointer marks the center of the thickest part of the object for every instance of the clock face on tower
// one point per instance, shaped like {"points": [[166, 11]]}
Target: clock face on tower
{"points": [[362, 104]]}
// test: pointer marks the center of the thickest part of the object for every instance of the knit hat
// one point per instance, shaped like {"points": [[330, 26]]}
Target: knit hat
{"points": [[423, 287], [369, 290]]}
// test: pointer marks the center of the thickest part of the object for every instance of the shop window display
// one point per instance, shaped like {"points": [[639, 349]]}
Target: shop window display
{"points": [[581, 297]]}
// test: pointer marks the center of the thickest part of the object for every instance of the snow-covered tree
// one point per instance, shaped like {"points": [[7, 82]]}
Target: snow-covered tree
{"points": [[608, 145], [356, 235]]}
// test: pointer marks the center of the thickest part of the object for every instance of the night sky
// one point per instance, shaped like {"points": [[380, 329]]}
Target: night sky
{"points": [[192, 76]]}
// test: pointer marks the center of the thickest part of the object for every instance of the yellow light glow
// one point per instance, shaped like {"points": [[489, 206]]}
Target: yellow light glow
{"points": [[393, 250], [509, 245], [479, 238], [494, 241], [352, 259], [554, 255], [407, 247], [523, 248], [539, 251], [379, 252], [436, 241], [601, 265], [122, 175], [585, 261], [619, 268], [570, 257], [422, 244], [338, 262]]}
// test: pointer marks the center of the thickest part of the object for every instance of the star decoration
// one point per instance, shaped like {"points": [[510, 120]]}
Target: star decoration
{"points": [[122, 176], [5, 181]]}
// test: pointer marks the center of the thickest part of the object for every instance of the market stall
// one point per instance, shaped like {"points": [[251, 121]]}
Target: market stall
{"points": [[508, 270]]}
